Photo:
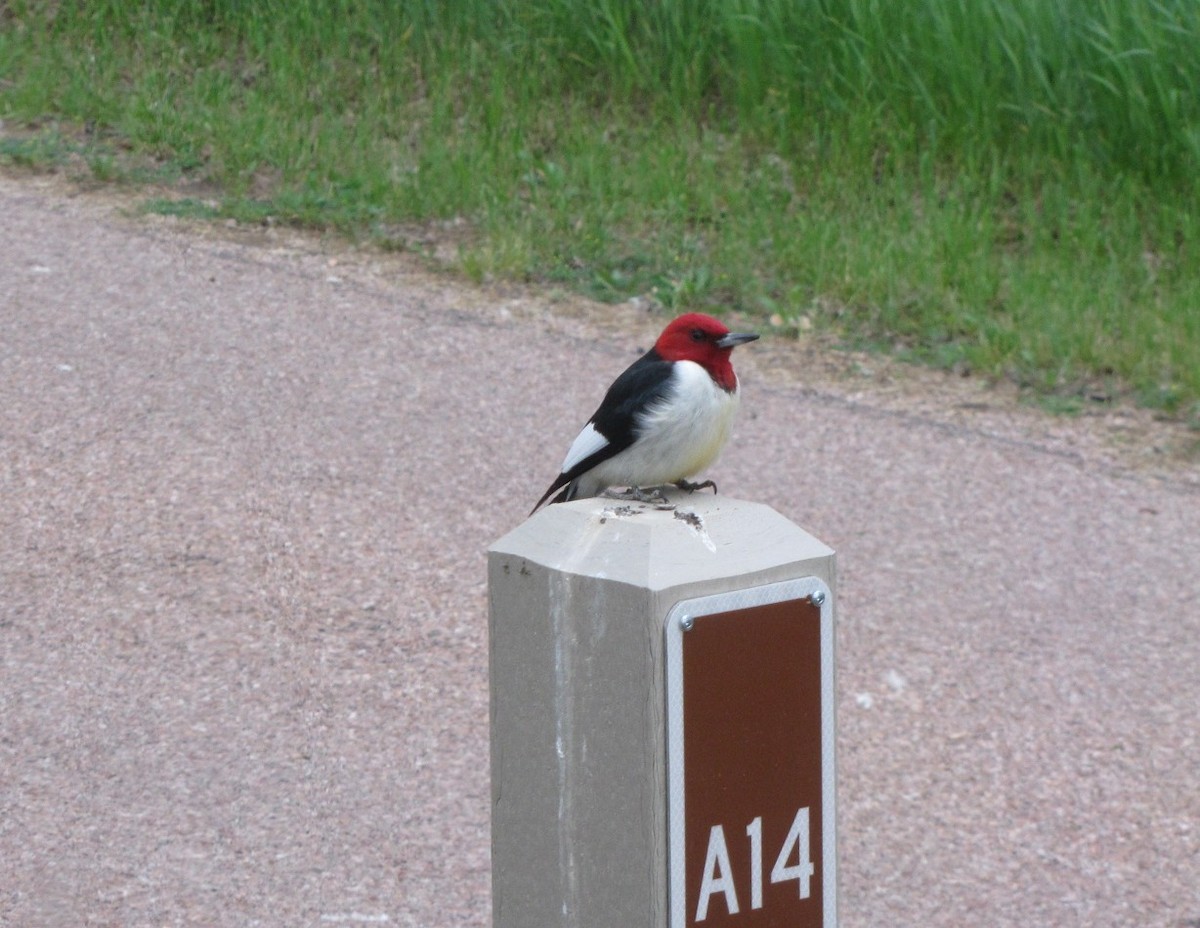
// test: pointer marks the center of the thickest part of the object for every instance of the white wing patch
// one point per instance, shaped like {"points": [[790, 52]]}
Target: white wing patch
{"points": [[586, 443]]}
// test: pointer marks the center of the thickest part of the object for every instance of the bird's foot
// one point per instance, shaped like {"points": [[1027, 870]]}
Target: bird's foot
{"points": [[693, 487], [652, 497]]}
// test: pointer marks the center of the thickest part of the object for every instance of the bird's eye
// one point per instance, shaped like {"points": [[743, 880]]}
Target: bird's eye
{"points": [[697, 335]]}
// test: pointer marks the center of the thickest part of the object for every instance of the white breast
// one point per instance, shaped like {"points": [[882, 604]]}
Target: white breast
{"points": [[678, 437]]}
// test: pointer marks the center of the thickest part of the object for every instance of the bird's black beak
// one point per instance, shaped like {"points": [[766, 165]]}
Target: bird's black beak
{"points": [[734, 339]]}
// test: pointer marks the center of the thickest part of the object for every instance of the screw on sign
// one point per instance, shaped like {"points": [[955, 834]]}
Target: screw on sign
{"points": [[752, 760]]}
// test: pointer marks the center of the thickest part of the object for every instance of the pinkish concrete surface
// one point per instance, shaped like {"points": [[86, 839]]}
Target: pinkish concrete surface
{"points": [[245, 493]]}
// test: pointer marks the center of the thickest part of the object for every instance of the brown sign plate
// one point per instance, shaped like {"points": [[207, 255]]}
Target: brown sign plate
{"points": [[751, 760]]}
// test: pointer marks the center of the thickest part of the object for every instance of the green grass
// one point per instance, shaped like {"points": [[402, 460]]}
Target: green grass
{"points": [[1005, 186]]}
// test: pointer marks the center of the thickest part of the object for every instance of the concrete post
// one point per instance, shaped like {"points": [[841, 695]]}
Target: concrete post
{"points": [[582, 820]]}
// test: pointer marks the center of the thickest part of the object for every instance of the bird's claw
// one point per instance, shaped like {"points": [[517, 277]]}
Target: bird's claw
{"points": [[693, 487]]}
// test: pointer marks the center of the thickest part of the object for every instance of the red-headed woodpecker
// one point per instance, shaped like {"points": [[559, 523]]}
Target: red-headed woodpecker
{"points": [[663, 420]]}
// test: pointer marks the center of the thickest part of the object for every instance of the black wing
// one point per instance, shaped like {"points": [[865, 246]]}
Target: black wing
{"points": [[643, 383]]}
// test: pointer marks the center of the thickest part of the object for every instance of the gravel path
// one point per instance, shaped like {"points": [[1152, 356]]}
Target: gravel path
{"points": [[246, 485]]}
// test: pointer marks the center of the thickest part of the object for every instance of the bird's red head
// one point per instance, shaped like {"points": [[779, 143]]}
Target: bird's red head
{"points": [[705, 340]]}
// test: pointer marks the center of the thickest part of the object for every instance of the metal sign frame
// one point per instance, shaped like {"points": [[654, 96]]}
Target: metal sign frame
{"points": [[679, 621]]}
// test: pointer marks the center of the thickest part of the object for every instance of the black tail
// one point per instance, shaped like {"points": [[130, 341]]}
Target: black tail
{"points": [[564, 483]]}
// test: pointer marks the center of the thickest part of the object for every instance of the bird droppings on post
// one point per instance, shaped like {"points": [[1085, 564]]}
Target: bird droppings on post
{"points": [[690, 518], [619, 512], [696, 523]]}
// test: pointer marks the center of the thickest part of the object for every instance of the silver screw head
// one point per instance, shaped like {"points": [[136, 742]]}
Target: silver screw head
{"points": [[687, 623], [817, 598]]}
